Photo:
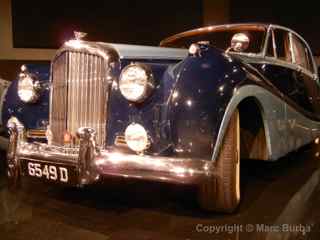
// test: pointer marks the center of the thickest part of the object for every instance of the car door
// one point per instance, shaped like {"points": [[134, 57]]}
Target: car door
{"points": [[283, 72], [305, 75]]}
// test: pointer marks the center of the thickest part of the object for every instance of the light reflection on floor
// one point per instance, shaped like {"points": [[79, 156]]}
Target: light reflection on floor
{"points": [[284, 192]]}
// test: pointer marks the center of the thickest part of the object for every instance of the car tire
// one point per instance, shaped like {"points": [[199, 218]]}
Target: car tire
{"points": [[221, 191]]}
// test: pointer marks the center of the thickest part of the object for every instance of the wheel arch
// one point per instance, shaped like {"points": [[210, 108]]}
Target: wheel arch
{"points": [[239, 101], [254, 129]]}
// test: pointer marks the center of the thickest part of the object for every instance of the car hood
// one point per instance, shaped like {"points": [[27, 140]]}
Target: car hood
{"points": [[146, 52]]}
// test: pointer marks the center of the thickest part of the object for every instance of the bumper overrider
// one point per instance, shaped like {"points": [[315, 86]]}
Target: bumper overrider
{"points": [[88, 163]]}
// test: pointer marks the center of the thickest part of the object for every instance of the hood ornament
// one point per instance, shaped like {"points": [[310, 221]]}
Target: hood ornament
{"points": [[79, 35]]}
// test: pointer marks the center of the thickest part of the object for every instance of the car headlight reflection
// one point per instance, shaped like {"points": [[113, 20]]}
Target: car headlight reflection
{"points": [[136, 82], [137, 138], [28, 88]]}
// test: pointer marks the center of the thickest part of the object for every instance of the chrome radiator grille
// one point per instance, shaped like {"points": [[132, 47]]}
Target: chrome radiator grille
{"points": [[79, 95]]}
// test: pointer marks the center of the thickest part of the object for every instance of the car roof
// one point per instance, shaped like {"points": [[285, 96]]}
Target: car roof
{"points": [[215, 28]]}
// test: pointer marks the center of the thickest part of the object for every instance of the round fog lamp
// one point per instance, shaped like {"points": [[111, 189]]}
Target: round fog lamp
{"points": [[136, 137]]}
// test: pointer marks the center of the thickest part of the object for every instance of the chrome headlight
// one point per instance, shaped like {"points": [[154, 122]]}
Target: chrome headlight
{"points": [[136, 82], [28, 87], [136, 137]]}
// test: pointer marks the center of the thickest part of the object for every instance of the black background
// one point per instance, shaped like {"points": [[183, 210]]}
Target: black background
{"points": [[301, 16], [47, 24]]}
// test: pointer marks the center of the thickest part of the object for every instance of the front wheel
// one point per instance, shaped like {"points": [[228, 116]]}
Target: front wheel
{"points": [[222, 191]]}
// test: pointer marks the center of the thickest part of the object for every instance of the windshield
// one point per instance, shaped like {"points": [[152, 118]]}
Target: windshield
{"points": [[219, 37]]}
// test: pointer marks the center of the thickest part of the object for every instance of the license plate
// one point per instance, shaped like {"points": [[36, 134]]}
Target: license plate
{"points": [[58, 173]]}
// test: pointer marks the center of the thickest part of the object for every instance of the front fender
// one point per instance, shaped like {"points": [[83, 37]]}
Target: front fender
{"points": [[31, 115], [205, 86]]}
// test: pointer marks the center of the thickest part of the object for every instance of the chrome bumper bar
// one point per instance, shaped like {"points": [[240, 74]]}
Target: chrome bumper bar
{"points": [[92, 163]]}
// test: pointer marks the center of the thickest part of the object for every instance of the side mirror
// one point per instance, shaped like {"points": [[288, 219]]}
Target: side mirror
{"points": [[240, 42]]}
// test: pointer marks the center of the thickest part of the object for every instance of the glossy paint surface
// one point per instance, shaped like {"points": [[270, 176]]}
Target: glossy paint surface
{"points": [[198, 102]]}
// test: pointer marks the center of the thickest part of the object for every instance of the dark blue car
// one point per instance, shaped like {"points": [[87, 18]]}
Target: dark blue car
{"points": [[183, 113]]}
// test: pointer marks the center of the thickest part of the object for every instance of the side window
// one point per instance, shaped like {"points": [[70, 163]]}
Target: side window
{"points": [[300, 51], [283, 45]]}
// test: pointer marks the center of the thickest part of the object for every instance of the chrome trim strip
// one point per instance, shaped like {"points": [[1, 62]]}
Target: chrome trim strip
{"points": [[281, 122], [274, 46], [265, 44], [293, 56]]}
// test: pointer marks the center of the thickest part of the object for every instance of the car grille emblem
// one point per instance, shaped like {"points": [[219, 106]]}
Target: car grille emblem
{"points": [[79, 35]]}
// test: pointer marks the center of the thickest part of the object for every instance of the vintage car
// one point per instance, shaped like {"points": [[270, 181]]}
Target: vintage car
{"points": [[182, 113]]}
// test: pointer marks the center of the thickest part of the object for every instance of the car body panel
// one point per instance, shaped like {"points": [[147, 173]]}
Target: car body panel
{"points": [[286, 128]]}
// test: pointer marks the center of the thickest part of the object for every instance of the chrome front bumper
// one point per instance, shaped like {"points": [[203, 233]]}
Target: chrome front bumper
{"points": [[91, 163]]}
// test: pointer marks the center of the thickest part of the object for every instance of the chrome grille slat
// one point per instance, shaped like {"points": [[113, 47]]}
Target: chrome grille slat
{"points": [[79, 95], [86, 90], [65, 85], [94, 86]]}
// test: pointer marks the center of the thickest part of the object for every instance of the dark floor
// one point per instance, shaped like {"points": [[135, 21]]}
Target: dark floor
{"points": [[279, 195]]}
